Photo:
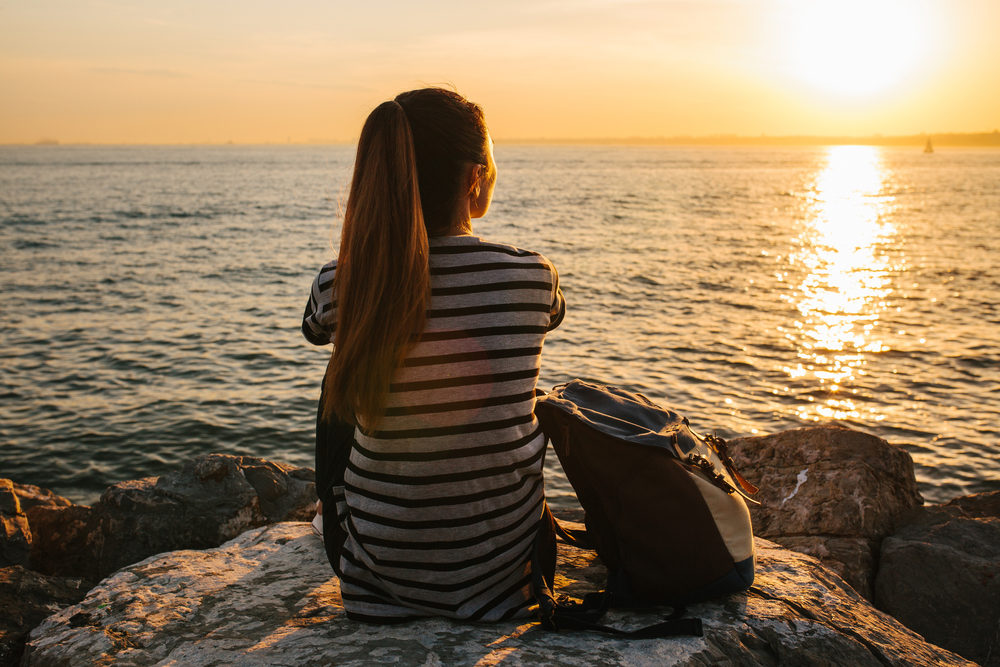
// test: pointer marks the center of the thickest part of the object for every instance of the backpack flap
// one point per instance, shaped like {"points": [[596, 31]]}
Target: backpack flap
{"points": [[634, 418]]}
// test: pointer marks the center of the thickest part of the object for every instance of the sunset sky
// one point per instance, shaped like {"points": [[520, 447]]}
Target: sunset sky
{"points": [[190, 71]]}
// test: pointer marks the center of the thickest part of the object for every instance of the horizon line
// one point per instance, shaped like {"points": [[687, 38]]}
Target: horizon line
{"points": [[983, 138]]}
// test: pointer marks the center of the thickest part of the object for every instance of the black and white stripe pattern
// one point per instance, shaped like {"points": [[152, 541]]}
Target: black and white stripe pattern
{"points": [[442, 499]]}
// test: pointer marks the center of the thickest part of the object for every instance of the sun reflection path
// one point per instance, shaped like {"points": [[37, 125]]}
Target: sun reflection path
{"points": [[846, 280]]}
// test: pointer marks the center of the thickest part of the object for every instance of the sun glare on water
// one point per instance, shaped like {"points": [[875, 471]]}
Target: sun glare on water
{"points": [[846, 278], [856, 48]]}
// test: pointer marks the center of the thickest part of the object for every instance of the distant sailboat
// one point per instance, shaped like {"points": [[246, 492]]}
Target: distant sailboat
{"points": [[928, 147]]}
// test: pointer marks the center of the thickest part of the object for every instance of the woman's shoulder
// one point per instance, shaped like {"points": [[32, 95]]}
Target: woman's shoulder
{"points": [[474, 245], [323, 282]]}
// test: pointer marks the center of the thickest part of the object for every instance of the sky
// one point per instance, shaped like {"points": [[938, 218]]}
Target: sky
{"points": [[211, 71]]}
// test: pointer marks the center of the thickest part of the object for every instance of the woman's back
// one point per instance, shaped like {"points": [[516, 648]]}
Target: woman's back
{"points": [[442, 498]]}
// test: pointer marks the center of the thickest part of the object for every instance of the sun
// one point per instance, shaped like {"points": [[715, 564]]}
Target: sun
{"points": [[856, 48]]}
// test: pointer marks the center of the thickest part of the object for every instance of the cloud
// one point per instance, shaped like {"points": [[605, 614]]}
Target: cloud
{"points": [[157, 73], [340, 87]]}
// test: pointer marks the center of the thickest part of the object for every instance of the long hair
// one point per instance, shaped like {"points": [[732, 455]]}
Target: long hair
{"points": [[407, 183]]}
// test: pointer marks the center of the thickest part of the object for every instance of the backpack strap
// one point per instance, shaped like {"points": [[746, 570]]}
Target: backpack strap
{"points": [[585, 616], [571, 536], [722, 447], [565, 615]]}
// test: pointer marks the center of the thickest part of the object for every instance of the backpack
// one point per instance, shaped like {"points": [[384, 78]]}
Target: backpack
{"points": [[665, 508]]}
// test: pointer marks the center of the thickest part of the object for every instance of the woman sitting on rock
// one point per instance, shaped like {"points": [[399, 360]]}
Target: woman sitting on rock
{"points": [[429, 457]]}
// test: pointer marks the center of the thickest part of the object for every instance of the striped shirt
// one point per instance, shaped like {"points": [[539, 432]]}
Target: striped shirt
{"points": [[441, 503]]}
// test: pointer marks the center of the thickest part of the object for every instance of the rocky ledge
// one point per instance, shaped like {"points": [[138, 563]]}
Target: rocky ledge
{"points": [[206, 502], [52, 551], [268, 597]]}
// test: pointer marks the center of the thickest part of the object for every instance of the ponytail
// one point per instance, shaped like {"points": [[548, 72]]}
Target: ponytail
{"points": [[382, 279], [408, 178]]}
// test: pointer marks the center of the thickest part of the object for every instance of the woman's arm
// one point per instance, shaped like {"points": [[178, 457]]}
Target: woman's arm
{"points": [[558, 309], [319, 321]]}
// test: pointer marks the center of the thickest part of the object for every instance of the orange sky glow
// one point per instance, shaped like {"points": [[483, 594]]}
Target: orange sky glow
{"points": [[186, 71]]}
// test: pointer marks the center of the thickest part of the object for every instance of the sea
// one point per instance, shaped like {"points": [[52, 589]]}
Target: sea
{"points": [[151, 297]]}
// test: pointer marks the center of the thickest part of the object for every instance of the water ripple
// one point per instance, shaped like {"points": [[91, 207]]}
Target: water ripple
{"points": [[151, 297]]}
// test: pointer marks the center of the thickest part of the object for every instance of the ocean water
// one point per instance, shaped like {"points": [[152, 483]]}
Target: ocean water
{"points": [[151, 296]]}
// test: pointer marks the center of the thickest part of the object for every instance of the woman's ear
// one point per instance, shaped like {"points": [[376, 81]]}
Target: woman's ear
{"points": [[475, 175]]}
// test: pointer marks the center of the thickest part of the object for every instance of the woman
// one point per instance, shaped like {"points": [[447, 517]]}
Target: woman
{"points": [[427, 445]]}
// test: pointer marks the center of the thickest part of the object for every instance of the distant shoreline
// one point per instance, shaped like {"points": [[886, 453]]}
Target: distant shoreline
{"points": [[975, 139], [943, 139]]}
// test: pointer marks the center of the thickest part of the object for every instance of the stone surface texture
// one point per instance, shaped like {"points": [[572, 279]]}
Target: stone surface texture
{"points": [[983, 505], [211, 499], [15, 534], [31, 496], [59, 540], [58, 530], [26, 598], [269, 597], [830, 492], [940, 575]]}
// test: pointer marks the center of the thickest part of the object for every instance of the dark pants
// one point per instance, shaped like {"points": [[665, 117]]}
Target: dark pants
{"points": [[333, 447]]}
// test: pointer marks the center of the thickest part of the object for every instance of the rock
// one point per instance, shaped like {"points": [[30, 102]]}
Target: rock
{"points": [[31, 496], [283, 495], [978, 505], [850, 557], [15, 536], [210, 500], [26, 598], [59, 539], [57, 536], [940, 575], [828, 491], [269, 597]]}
